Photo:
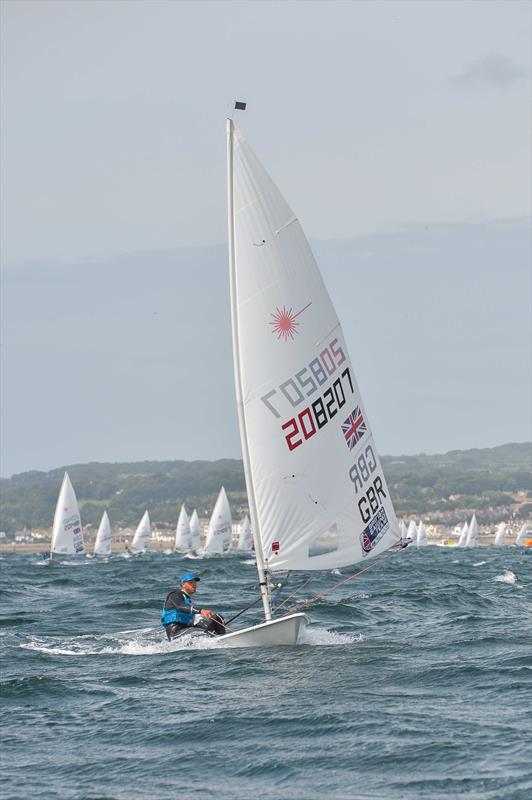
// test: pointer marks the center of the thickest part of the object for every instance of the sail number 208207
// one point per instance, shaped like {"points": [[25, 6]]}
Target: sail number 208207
{"points": [[312, 419]]}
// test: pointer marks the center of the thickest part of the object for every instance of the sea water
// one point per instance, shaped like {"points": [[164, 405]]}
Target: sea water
{"points": [[413, 680]]}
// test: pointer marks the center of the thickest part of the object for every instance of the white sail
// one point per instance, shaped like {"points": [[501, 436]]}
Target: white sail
{"points": [[412, 531], [182, 535], [67, 534], [141, 539], [472, 532], [245, 539], [402, 529], [500, 535], [195, 534], [317, 492], [524, 534], [421, 538], [218, 538], [102, 545], [462, 541]]}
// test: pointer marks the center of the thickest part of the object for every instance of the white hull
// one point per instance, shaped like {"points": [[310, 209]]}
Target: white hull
{"points": [[283, 631]]}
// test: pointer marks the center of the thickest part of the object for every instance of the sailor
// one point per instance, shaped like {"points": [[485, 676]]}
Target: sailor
{"points": [[179, 614]]}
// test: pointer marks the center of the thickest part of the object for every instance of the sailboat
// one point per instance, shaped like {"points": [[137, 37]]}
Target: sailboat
{"points": [[500, 535], [141, 539], [182, 534], [524, 535], [195, 534], [102, 545], [317, 494], [462, 541], [411, 533], [245, 538], [67, 533], [472, 532], [421, 540], [218, 538]]}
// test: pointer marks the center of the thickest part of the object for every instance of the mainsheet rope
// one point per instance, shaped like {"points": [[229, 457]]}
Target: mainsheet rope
{"points": [[344, 580]]}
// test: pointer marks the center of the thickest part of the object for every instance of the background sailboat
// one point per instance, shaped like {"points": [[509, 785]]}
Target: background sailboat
{"points": [[500, 535], [141, 539], [67, 533], [317, 494], [421, 539], [245, 538], [195, 533], [462, 541], [102, 545], [411, 533], [182, 534], [472, 532], [524, 534], [218, 538]]}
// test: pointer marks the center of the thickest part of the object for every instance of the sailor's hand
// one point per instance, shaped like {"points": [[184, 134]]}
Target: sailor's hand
{"points": [[206, 613]]}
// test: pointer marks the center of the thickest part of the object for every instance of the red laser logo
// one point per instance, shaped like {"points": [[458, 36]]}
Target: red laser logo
{"points": [[284, 323]]}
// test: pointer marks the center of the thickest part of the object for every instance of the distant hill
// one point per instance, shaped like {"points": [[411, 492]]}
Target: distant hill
{"points": [[496, 482]]}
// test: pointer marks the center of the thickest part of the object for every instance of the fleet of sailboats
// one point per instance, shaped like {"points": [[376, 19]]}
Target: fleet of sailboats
{"points": [[67, 534]]}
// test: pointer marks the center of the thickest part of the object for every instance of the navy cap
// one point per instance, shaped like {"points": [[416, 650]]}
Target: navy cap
{"points": [[188, 576]]}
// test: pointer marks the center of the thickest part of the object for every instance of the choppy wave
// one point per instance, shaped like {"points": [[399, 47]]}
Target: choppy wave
{"points": [[425, 654], [507, 577]]}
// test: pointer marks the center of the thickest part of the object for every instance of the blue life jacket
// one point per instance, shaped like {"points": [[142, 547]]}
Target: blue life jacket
{"points": [[175, 615]]}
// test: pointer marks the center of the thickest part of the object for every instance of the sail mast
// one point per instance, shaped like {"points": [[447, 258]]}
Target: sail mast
{"points": [[238, 375]]}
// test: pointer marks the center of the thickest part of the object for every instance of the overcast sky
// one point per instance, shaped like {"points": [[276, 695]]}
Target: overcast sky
{"points": [[373, 118]]}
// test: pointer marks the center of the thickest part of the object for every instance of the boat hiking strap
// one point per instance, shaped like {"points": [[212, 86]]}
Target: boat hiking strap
{"points": [[393, 552]]}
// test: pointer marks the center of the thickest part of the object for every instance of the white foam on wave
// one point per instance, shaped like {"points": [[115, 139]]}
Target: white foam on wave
{"points": [[167, 552], [323, 637], [152, 641], [141, 642], [507, 577], [479, 563]]}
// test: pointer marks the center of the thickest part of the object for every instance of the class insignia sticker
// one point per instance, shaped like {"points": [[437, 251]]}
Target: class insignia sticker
{"points": [[283, 323], [374, 531]]}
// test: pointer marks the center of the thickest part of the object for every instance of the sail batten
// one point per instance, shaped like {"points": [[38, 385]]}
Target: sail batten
{"points": [[319, 496]]}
